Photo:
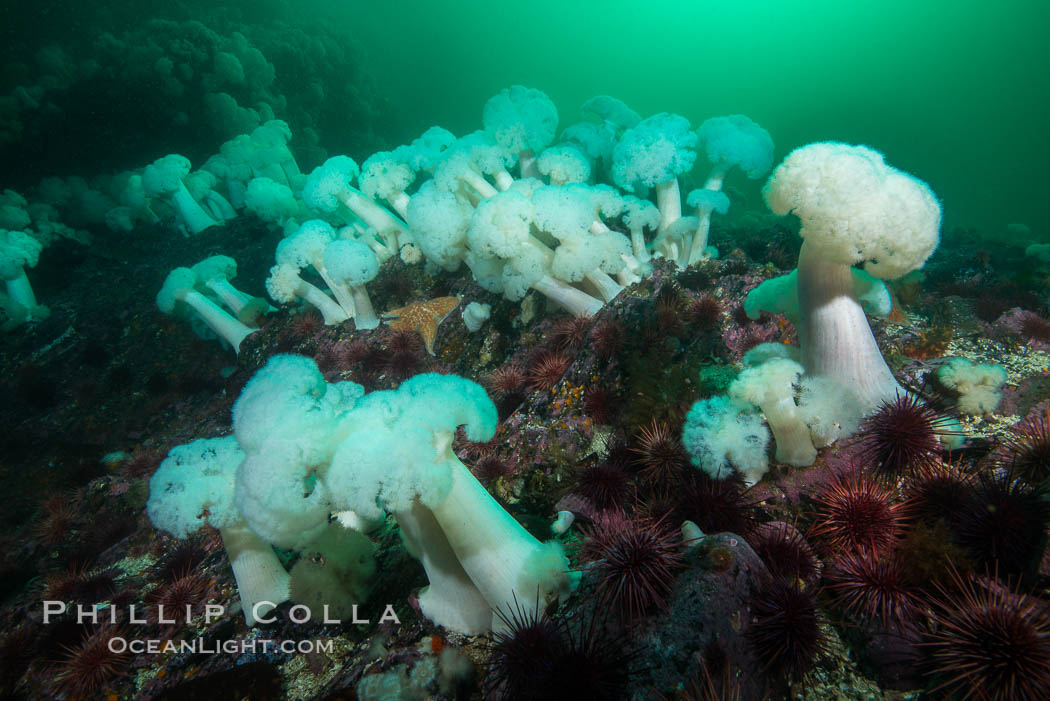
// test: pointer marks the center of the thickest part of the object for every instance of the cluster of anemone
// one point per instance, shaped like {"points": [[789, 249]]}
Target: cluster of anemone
{"points": [[205, 297], [361, 455], [226, 78], [18, 251], [517, 208]]}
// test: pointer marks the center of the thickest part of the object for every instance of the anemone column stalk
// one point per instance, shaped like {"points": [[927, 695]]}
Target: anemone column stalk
{"points": [[836, 339]]}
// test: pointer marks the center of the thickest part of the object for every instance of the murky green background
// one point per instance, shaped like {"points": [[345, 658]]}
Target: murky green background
{"points": [[956, 92]]}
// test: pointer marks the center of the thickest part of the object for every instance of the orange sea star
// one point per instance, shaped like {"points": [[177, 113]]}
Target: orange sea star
{"points": [[422, 317]]}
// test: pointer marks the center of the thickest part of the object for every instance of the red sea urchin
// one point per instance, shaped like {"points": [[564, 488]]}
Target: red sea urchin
{"points": [[704, 313], [605, 485], [667, 316], [902, 436], [143, 462], [784, 632], [507, 380], [1035, 328], [872, 587], [306, 324], [404, 357], [402, 341], [938, 492], [186, 555], [635, 561], [548, 369], [1002, 524], [785, 552], [82, 584], [536, 658], [520, 653], [569, 334], [608, 338], [490, 468], [716, 506], [1025, 450], [181, 598], [600, 404], [53, 527], [987, 642], [659, 455], [854, 513], [88, 665]]}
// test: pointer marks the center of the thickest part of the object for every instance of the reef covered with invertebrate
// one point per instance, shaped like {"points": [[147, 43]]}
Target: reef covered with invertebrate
{"points": [[567, 402]]}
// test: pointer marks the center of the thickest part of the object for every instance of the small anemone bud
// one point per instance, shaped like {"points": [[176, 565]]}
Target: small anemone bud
{"points": [[563, 522], [691, 534]]}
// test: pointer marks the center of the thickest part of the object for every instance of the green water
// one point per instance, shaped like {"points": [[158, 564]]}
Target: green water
{"points": [[956, 92]]}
